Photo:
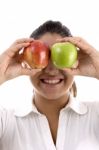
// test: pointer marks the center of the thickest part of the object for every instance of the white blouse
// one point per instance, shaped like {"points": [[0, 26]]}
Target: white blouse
{"points": [[78, 128]]}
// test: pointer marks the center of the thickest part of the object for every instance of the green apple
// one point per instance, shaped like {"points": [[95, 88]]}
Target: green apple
{"points": [[63, 54]]}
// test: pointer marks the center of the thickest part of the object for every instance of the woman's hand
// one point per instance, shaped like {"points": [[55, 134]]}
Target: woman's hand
{"points": [[88, 58], [11, 61]]}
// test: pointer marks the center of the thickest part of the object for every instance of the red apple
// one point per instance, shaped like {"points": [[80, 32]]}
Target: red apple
{"points": [[36, 55]]}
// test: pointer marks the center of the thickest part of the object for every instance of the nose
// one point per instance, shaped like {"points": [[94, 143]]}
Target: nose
{"points": [[51, 69]]}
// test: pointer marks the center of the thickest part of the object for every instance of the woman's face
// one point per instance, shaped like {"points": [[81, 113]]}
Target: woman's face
{"points": [[51, 83]]}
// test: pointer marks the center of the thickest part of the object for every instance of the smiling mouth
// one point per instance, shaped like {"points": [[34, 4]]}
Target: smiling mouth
{"points": [[51, 82]]}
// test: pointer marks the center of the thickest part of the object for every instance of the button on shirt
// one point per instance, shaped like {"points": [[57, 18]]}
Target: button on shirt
{"points": [[78, 128]]}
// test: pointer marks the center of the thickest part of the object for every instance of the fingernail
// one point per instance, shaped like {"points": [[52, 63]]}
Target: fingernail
{"points": [[38, 70]]}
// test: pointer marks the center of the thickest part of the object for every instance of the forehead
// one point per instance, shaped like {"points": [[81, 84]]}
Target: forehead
{"points": [[50, 38]]}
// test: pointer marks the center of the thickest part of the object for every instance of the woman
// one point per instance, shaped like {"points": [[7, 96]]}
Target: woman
{"points": [[56, 120]]}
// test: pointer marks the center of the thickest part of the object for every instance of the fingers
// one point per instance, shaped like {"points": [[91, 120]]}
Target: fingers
{"points": [[23, 40], [17, 46], [80, 43]]}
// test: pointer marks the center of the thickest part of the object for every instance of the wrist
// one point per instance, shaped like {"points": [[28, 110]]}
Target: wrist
{"points": [[2, 81]]}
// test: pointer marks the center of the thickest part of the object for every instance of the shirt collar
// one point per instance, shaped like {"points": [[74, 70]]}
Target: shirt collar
{"points": [[74, 104]]}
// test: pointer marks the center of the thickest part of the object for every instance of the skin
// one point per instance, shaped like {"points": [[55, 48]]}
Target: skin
{"points": [[51, 93], [50, 99]]}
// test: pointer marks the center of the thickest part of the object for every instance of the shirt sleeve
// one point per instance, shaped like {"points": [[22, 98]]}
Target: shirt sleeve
{"points": [[3, 120], [95, 106], [95, 118]]}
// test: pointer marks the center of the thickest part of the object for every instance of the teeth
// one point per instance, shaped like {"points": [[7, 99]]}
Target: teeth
{"points": [[51, 81]]}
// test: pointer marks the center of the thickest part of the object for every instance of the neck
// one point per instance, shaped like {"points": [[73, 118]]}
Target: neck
{"points": [[48, 106]]}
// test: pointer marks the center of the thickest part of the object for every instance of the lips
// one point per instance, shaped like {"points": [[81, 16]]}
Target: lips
{"points": [[51, 80]]}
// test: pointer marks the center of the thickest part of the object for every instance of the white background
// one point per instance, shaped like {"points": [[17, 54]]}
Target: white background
{"points": [[18, 18]]}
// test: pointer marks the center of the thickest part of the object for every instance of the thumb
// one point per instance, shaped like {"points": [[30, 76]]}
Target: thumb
{"points": [[29, 72], [73, 70]]}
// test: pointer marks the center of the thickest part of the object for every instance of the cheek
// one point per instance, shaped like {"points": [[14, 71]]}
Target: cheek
{"points": [[33, 81], [69, 81], [68, 77], [36, 83]]}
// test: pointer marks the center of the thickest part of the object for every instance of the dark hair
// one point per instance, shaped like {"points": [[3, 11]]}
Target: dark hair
{"points": [[51, 27], [54, 27]]}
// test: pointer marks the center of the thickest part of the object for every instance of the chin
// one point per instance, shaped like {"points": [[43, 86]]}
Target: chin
{"points": [[54, 96]]}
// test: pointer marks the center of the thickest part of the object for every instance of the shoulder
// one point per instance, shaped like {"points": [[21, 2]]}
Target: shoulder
{"points": [[6, 115], [6, 119], [5, 111], [93, 107]]}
